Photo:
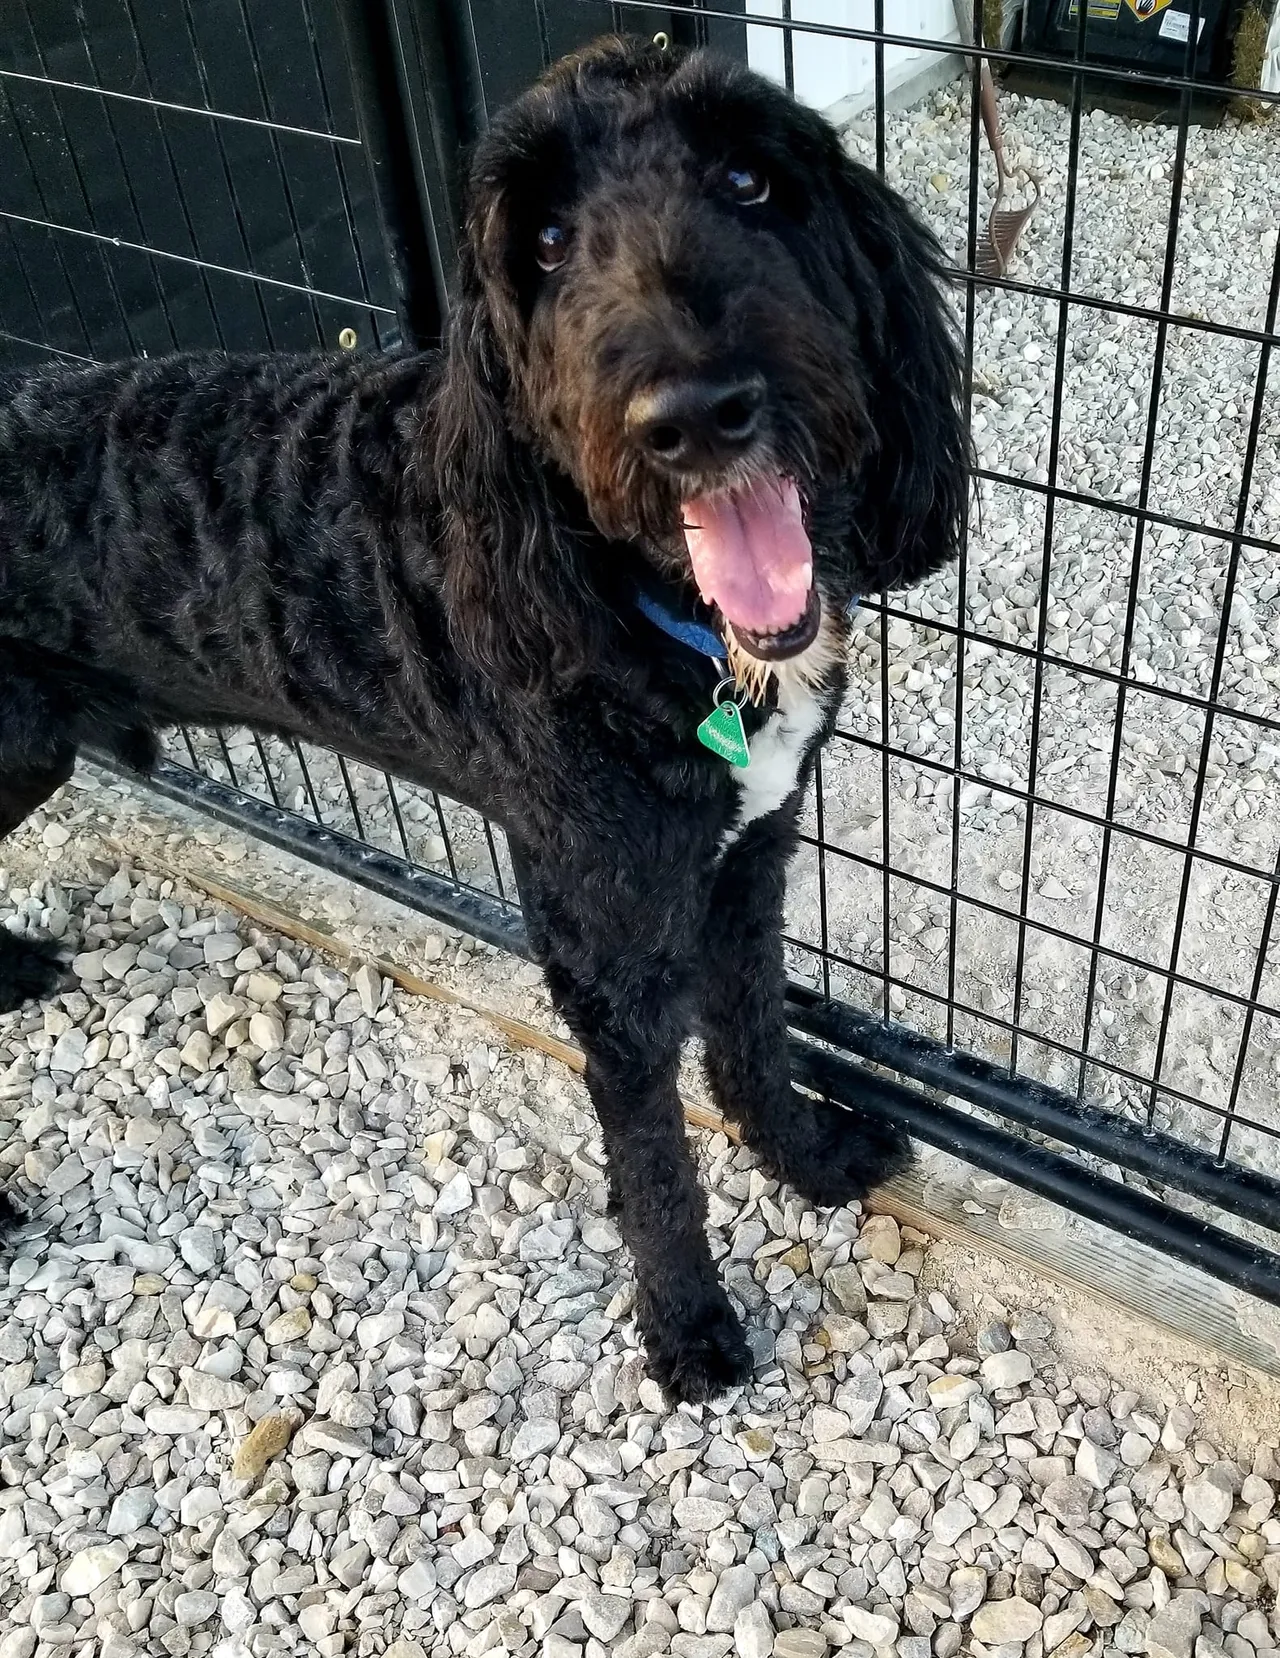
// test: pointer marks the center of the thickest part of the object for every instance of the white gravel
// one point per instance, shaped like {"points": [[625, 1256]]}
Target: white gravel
{"points": [[321, 1343]]}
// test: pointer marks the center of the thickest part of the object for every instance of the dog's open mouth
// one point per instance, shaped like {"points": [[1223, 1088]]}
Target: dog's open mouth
{"points": [[752, 559]]}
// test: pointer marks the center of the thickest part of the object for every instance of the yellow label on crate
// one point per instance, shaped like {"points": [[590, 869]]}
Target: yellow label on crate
{"points": [[1106, 11]]}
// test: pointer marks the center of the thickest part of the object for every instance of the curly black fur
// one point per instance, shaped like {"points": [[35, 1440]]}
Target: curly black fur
{"points": [[428, 562]]}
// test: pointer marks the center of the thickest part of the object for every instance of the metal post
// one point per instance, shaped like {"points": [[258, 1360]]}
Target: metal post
{"points": [[417, 270]]}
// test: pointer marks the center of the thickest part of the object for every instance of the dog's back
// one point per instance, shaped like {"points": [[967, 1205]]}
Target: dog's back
{"points": [[208, 525]]}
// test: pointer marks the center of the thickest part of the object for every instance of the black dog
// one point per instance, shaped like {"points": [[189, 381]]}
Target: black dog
{"points": [[700, 391]]}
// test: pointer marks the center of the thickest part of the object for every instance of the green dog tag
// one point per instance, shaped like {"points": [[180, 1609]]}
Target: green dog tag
{"points": [[723, 734]]}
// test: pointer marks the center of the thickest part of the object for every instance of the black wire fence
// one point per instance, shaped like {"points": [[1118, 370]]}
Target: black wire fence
{"points": [[1034, 913]]}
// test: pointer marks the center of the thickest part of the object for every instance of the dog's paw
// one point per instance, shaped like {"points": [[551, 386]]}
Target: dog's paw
{"points": [[698, 1355], [832, 1155], [30, 968], [12, 1218]]}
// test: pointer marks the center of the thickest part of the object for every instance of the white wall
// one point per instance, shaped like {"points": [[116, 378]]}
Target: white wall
{"points": [[1270, 78], [839, 75]]}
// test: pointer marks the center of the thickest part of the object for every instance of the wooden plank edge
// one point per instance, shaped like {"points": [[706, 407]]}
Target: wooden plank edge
{"points": [[1129, 1277], [1087, 1259]]}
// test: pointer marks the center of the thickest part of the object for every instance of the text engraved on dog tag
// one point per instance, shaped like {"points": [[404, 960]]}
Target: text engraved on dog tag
{"points": [[723, 734]]}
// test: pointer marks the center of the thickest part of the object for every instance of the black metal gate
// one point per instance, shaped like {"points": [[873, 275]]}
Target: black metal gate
{"points": [[283, 173]]}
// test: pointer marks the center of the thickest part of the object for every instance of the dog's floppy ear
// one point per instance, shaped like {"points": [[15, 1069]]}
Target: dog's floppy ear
{"points": [[515, 596], [915, 485]]}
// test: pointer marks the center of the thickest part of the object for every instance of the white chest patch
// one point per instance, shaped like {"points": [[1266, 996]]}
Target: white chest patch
{"points": [[777, 751]]}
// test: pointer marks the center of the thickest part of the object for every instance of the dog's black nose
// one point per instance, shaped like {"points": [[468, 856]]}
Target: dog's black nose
{"points": [[690, 423]]}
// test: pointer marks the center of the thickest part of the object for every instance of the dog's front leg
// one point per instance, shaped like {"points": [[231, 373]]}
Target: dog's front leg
{"points": [[619, 953], [827, 1153]]}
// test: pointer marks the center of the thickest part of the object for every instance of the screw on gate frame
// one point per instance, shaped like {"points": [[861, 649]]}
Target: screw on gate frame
{"points": [[347, 339]]}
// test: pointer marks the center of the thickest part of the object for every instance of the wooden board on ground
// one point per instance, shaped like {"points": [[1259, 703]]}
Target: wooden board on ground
{"points": [[1100, 1263], [1080, 1256]]}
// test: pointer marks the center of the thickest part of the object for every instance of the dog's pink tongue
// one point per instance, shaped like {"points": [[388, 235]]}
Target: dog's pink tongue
{"points": [[750, 554]]}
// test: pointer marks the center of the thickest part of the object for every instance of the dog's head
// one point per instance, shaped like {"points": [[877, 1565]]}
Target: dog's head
{"points": [[679, 293]]}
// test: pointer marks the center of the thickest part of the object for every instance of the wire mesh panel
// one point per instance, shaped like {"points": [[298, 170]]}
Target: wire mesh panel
{"points": [[1056, 790], [1047, 830], [1040, 859], [182, 175]]}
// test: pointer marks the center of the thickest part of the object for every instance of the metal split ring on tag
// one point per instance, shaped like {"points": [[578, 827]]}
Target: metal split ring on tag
{"points": [[722, 731]]}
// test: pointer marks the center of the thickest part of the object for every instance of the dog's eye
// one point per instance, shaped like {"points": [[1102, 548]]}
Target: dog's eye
{"points": [[553, 247], [747, 186]]}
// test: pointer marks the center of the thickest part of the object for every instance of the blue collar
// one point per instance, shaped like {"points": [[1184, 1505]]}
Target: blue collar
{"points": [[687, 629], [684, 629]]}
